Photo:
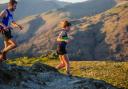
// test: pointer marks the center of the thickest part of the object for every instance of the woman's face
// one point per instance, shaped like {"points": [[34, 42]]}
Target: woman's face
{"points": [[62, 26], [68, 28]]}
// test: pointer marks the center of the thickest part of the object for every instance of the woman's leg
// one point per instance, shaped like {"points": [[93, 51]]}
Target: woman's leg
{"points": [[6, 44], [61, 65], [66, 62]]}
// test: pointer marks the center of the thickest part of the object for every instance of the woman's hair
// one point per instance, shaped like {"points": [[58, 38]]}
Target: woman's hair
{"points": [[65, 24], [12, 2]]}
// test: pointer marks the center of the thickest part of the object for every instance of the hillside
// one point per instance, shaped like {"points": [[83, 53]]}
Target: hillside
{"points": [[28, 7], [40, 33], [121, 1], [36, 7], [111, 72], [2, 6], [89, 8], [93, 39], [42, 76], [78, 10], [108, 34]]}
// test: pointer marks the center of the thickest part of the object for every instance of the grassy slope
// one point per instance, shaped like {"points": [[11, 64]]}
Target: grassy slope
{"points": [[115, 73]]}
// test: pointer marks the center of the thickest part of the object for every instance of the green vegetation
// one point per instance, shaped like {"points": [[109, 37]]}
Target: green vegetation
{"points": [[115, 73]]}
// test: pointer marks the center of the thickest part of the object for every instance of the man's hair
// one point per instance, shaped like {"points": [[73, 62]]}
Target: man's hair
{"points": [[12, 2], [66, 23]]}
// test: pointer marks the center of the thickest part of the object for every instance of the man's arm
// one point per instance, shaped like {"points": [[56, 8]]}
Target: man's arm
{"points": [[2, 15], [14, 24]]}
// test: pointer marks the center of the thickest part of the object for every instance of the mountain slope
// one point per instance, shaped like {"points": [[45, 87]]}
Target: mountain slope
{"points": [[78, 10], [99, 37], [28, 7], [36, 7], [2, 6], [109, 31], [121, 1], [93, 39], [89, 8]]}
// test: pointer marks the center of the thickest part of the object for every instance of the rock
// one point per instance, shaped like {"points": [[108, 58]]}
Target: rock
{"points": [[42, 76], [39, 67]]}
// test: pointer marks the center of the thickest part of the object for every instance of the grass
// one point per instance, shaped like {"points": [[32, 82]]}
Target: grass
{"points": [[118, 9], [115, 73]]}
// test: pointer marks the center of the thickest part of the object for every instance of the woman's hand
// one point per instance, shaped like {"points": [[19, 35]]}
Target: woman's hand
{"points": [[67, 41]]}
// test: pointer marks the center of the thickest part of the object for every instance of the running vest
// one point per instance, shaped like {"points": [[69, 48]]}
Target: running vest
{"points": [[8, 19], [63, 35]]}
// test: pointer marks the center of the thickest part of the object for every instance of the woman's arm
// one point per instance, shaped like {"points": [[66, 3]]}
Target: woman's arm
{"points": [[61, 38]]}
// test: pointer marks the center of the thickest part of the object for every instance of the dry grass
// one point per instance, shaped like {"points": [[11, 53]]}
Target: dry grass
{"points": [[115, 73]]}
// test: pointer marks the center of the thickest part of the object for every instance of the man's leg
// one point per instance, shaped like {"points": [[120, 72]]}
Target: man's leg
{"points": [[6, 44], [9, 45], [3, 55]]}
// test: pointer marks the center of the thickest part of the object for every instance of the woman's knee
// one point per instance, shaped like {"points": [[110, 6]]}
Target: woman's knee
{"points": [[14, 45], [65, 58], [63, 64]]}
